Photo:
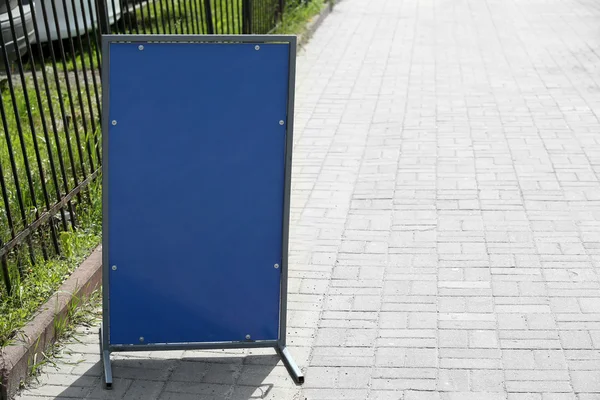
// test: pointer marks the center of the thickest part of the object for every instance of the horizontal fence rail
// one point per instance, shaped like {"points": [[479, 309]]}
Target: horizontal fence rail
{"points": [[50, 108]]}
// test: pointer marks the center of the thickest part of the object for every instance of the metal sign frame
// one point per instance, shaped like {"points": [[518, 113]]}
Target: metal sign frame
{"points": [[106, 348]]}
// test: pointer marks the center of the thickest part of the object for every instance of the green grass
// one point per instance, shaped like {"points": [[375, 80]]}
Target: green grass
{"points": [[42, 279], [296, 17]]}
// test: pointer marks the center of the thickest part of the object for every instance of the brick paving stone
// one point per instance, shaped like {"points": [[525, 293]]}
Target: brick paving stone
{"points": [[445, 221]]}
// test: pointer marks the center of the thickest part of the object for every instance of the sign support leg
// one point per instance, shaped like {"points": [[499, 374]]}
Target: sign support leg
{"points": [[105, 355], [290, 364]]}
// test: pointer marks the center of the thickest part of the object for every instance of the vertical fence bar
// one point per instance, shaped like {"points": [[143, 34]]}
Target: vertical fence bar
{"points": [[264, 15], [225, 17], [147, 27], [187, 18], [183, 22], [256, 16], [247, 16], [193, 16], [240, 16], [209, 19], [162, 19], [103, 19], [166, 9], [155, 19], [281, 10], [175, 20], [131, 12], [202, 10], [231, 8], [123, 14], [197, 16], [218, 16], [230, 15]]}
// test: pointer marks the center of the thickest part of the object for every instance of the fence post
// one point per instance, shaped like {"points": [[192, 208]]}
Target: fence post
{"points": [[246, 16], [103, 22], [209, 19], [281, 9]]}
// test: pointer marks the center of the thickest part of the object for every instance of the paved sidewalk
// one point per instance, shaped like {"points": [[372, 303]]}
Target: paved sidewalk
{"points": [[446, 216]]}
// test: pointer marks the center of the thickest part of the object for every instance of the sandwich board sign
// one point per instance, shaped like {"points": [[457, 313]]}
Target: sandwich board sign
{"points": [[197, 149]]}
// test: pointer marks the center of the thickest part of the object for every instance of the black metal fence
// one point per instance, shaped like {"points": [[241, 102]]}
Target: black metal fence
{"points": [[50, 104]]}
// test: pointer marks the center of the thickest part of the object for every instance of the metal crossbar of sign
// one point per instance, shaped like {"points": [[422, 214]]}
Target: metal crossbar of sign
{"points": [[197, 138]]}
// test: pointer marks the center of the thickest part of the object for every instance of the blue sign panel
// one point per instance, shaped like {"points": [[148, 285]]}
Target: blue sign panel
{"points": [[195, 182]]}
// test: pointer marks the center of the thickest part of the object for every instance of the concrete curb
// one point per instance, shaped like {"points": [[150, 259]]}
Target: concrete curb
{"points": [[38, 335], [314, 24]]}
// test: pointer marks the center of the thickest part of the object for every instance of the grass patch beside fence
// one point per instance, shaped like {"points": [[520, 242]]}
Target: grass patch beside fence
{"points": [[44, 278], [33, 130], [296, 17]]}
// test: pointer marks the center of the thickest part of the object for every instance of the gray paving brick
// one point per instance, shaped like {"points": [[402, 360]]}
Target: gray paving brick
{"points": [[358, 378], [487, 381], [473, 396], [385, 395], [576, 340], [144, 389], [420, 395], [334, 394], [120, 388], [453, 338], [483, 339], [585, 381], [322, 377], [538, 386], [454, 380]]}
